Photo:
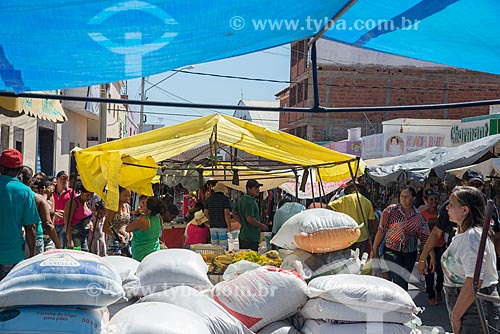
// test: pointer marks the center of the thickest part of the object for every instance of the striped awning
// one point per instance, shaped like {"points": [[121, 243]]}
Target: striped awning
{"points": [[50, 110]]}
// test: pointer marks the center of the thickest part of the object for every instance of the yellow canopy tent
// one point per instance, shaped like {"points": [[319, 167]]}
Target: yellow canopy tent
{"points": [[268, 179], [225, 175], [132, 162]]}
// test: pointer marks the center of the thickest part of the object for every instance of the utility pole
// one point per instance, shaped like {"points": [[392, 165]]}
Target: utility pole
{"points": [[144, 91], [103, 114], [141, 114]]}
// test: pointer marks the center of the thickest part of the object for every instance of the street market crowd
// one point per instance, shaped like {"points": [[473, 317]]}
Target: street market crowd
{"points": [[40, 213]]}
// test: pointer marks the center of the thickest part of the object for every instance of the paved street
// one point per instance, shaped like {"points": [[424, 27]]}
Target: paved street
{"points": [[433, 315]]}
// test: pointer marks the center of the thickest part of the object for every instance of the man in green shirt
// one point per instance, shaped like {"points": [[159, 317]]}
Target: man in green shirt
{"points": [[18, 210], [247, 213]]}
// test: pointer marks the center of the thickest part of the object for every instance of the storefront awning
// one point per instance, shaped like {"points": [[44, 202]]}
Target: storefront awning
{"points": [[50, 110]]}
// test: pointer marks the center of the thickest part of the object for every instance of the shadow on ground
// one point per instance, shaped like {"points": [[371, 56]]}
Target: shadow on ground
{"points": [[436, 315]]}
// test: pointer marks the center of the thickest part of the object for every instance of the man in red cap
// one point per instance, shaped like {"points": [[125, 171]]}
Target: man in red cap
{"points": [[18, 209]]}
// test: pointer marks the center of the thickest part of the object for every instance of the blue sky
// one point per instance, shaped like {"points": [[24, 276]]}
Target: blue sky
{"points": [[269, 64]]}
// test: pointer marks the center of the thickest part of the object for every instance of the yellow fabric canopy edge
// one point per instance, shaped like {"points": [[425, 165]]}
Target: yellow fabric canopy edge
{"points": [[131, 162]]}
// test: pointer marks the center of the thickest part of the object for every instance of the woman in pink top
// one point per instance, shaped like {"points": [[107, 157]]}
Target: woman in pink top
{"points": [[78, 214], [197, 232]]}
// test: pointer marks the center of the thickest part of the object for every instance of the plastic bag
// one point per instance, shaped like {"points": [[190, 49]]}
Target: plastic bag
{"points": [[372, 267], [236, 269]]}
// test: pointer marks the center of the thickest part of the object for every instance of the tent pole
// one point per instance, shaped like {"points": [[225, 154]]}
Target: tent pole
{"points": [[332, 22], [296, 184], [312, 188], [315, 76], [365, 222], [321, 183], [319, 187]]}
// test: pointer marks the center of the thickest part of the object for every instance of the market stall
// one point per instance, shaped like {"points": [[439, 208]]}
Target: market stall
{"points": [[133, 162], [417, 166]]}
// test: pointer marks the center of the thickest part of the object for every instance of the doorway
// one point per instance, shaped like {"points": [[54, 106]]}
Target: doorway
{"points": [[46, 150]]}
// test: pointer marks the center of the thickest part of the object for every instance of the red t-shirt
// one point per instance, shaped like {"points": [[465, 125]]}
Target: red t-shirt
{"points": [[431, 219], [197, 234]]}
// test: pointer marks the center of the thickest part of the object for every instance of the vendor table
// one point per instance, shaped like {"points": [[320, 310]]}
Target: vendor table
{"points": [[172, 235]]}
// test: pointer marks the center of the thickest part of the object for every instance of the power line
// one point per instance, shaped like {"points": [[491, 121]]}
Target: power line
{"points": [[352, 86], [166, 92]]}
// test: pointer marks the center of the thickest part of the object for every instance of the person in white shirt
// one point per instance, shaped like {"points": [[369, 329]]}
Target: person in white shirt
{"points": [[467, 209]]}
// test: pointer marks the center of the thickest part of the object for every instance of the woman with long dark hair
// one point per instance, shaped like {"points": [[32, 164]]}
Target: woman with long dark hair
{"points": [[147, 230], [466, 208], [400, 228], [77, 215]]}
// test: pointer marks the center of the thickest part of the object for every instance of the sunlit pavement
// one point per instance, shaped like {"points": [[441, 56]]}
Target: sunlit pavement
{"points": [[436, 315]]}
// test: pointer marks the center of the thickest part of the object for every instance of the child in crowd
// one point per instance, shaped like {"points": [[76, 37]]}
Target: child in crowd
{"points": [[97, 242], [140, 209]]}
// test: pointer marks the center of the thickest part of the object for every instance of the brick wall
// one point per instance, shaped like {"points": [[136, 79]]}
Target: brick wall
{"points": [[361, 85]]}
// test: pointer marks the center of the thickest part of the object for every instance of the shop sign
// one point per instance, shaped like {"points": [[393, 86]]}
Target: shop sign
{"points": [[372, 146], [418, 142], [460, 134]]}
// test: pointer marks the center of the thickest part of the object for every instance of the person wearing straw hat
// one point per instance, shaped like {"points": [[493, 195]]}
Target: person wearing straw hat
{"points": [[218, 208], [197, 231]]}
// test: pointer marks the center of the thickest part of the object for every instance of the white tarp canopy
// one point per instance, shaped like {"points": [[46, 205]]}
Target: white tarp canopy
{"points": [[417, 166], [489, 168]]}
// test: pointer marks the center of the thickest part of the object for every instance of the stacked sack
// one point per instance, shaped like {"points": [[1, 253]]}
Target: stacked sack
{"points": [[310, 265], [279, 327], [170, 282], [318, 231], [156, 318], [217, 319], [320, 239], [126, 267], [168, 268], [261, 296], [61, 291], [358, 304]]}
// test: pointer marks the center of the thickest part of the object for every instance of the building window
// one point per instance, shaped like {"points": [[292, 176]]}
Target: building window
{"points": [[293, 95], [294, 55], [19, 139], [307, 59], [306, 88], [5, 137], [300, 92], [301, 131]]}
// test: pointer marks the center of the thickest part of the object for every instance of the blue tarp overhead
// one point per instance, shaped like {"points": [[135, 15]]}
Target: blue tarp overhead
{"points": [[56, 44], [461, 33]]}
